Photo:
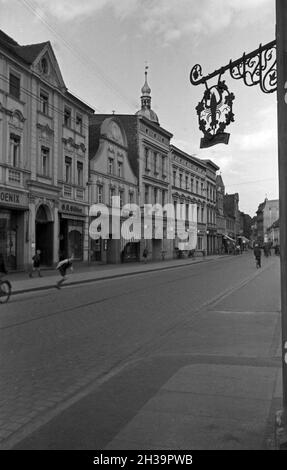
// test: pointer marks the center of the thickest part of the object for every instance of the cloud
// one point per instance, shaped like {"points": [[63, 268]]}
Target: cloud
{"points": [[166, 20]]}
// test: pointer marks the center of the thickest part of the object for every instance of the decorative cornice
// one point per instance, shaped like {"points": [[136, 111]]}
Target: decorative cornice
{"points": [[45, 128], [71, 142]]}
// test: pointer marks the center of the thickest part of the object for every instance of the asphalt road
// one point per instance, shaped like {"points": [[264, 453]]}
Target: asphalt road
{"points": [[59, 346]]}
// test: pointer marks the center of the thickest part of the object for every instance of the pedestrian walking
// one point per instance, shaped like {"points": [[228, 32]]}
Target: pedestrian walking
{"points": [[36, 264], [62, 266], [145, 253], [257, 254]]}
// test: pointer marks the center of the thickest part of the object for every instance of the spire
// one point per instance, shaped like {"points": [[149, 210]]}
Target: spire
{"points": [[146, 91], [146, 110]]}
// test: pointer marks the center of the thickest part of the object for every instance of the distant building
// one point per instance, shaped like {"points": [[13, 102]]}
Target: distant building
{"points": [[220, 219], [188, 186], [266, 214], [273, 233], [231, 213]]}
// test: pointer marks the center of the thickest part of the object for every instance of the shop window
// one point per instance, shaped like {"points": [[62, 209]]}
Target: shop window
{"points": [[121, 194], [44, 103], [131, 197], [76, 241], [67, 117], [14, 85], [68, 170], [112, 194], [80, 173], [146, 194], [15, 150], [100, 194]]}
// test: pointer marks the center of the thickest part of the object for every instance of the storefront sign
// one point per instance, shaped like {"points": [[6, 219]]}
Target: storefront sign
{"points": [[72, 209], [12, 198]]}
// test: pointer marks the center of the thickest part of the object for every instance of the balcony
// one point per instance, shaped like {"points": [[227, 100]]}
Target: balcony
{"points": [[80, 194]]}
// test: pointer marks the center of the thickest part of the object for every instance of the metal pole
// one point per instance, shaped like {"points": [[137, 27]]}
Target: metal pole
{"points": [[281, 37]]}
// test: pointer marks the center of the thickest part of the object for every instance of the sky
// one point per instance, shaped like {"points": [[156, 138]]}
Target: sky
{"points": [[103, 46]]}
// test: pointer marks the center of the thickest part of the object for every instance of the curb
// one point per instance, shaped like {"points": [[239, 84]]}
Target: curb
{"points": [[111, 276]]}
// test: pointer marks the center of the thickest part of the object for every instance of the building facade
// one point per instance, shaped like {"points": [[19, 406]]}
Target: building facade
{"points": [[43, 158], [188, 186], [266, 214], [211, 227], [112, 177]]}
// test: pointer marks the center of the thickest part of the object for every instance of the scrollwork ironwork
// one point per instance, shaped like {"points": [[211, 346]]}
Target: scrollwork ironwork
{"points": [[257, 67]]}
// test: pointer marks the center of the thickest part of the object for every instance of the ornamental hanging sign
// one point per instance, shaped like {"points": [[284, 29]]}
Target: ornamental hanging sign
{"points": [[214, 114], [215, 109]]}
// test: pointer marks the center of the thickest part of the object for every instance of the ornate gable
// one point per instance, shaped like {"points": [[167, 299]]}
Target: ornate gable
{"points": [[46, 66]]}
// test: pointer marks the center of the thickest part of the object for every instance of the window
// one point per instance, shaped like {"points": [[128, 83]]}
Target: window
{"points": [[44, 65], [174, 178], [14, 150], [155, 192], [163, 198], [131, 197], [146, 194], [120, 169], [14, 85], [201, 185], [44, 102], [186, 182], [112, 194], [111, 166], [180, 180], [146, 159], [163, 165], [68, 170], [155, 163], [79, 123], [80, 173], [45, 160], [67, 117], [191, 184], [121, 194], [202, 214], [196, 185], [100, 194]]}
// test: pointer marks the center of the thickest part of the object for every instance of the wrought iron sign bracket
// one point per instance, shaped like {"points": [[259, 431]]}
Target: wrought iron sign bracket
{"points": [[215, 109], [257, 67]]}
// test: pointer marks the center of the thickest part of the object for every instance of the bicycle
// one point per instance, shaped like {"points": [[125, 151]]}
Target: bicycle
{"points": [[5, 291]]}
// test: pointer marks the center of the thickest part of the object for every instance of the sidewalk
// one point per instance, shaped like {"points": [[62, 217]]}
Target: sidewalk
{"points": [[84, 273]]}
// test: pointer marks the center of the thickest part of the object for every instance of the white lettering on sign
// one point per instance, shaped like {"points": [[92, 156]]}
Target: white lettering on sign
{"points": [[285, 350], [285, 96]]}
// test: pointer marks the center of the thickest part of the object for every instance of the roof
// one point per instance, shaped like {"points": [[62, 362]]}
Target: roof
{"points": [[27, 53]]}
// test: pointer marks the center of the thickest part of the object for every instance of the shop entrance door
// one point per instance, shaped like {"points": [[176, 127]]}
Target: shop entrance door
{"points": [[44, 236]]}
